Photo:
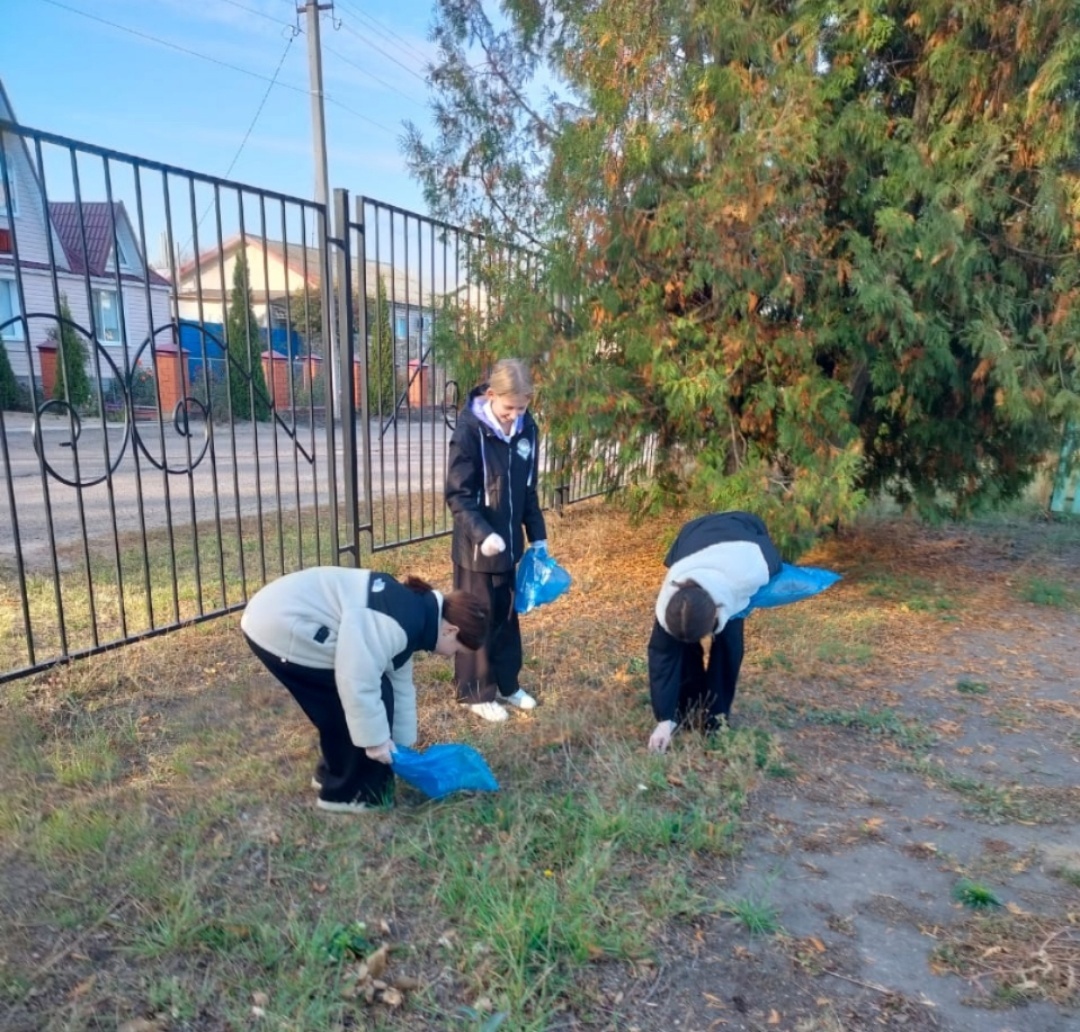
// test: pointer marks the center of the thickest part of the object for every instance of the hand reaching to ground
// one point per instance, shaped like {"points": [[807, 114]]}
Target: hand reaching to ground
{"points": [[660, 739]]}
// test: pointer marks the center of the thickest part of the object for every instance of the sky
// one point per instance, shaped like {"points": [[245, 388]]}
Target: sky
{"points": [[182, 81]]}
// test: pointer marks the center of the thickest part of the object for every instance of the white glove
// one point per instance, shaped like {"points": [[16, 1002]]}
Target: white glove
{"points": [[493, 545], [540, 546], [660, 739], [381, 753]]}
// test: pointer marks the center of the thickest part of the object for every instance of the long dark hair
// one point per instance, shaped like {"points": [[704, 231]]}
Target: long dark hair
{"points": [[691, 612], [463, 609]]}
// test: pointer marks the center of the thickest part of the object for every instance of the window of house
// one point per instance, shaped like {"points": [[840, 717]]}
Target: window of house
{"points": [[9, 309], [107, 316], [7, 176], [122, 254], [402, 329], [6, 247]]}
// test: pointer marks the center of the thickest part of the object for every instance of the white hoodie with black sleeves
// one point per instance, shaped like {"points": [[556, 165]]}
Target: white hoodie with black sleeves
{"points": [[362, 625], [731, 556]]}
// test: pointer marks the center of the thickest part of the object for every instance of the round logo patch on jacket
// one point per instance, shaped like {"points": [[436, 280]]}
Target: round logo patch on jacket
{"points": [[524, 448]]}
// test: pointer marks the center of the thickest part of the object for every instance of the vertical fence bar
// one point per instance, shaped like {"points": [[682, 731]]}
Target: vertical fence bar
{"points": [[20, 294], [347, 407], [363, 390]]}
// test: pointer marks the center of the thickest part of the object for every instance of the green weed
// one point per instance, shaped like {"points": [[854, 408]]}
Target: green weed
{"points": [[1045, 592], [975, 895], [885, 722], [755, 915]]}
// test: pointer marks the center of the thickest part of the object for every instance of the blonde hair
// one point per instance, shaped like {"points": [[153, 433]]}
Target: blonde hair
{"points": [[510, 376]]}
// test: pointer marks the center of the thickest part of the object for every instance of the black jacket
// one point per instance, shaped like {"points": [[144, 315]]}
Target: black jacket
{"points": [[491, 489]]}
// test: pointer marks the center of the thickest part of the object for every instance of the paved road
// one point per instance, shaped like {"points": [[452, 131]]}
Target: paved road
{"points": [[239, 471]]}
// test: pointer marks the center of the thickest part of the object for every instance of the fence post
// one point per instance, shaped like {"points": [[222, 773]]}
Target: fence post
{"points": [[365, 372], [342, 298], [1067, 480]]}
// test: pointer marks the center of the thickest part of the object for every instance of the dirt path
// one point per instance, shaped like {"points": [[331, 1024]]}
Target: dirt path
{"points": [[970, 773]]}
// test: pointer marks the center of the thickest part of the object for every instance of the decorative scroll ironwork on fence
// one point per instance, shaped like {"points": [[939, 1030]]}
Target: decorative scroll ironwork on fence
{"points": [[192, 402]]}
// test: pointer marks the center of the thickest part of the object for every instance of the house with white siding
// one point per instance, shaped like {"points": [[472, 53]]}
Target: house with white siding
{"points": [[278, 274], [85, 253]]}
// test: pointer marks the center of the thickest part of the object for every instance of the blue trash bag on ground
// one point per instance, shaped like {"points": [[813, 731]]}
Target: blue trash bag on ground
{"points": [[443, 769], [539, 580], [791, 584]]}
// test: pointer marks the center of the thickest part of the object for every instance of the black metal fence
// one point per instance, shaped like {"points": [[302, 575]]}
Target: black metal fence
{"points": [[191, 401]]}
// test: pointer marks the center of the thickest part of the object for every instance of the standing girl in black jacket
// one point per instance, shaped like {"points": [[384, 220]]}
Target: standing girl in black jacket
{"points": [[491, 491]]}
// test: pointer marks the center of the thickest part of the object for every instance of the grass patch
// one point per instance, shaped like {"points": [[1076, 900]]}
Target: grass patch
{"points": [[757, 916], [886, 722], [159, 833], [965, 687], [975, 895], [1043, 591], [910, 593], [994, 804]]}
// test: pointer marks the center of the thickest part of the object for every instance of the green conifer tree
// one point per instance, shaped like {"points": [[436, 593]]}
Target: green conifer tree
{"points": [[9, 387], [802, 251], [382, 381], [72, 381], [247, 382]]}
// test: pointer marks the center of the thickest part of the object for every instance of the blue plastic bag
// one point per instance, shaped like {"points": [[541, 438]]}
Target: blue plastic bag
{"points": [[791, 584], [443, 769], [539, 580]]}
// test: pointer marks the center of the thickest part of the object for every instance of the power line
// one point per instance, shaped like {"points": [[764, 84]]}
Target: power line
{"points": [[247, 135], [174, 46], [357, 114], [390, 57], [262, 104], [385, 32], [371, 75], [216, 61], [261, 14]]}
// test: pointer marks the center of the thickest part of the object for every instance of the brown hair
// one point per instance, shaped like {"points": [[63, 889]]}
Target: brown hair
{"points": [[463, 609], [691, 612], [469, 615], [510, 376]]}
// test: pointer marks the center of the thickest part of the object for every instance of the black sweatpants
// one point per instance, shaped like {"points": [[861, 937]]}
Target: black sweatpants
{"points": [[707, 692], [496, 665], [347, 773]]}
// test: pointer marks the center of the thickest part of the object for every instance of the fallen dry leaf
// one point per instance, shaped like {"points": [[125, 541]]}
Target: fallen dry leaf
{"points": [[376, 963], [83, 987], [141, 1025]]}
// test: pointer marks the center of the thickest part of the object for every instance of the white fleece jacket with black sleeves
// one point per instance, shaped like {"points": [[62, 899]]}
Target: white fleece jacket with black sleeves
{"points": [[360, 643], [730, 571], [728, 554]]}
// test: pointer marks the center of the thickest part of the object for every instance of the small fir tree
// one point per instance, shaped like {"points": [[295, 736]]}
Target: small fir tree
{"points": [[9, 389], [72, 382], [244, 346], [382, 384]]}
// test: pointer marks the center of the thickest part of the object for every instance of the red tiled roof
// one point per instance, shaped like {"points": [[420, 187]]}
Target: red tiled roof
{"points": [[97, 221]]}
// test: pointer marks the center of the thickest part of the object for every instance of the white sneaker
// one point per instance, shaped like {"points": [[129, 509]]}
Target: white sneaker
{"points": [[489, 711], [356, 806], [521, 699]]}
